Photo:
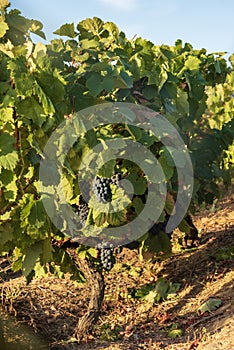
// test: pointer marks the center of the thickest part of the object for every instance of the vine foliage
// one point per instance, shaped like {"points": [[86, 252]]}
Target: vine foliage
{"points": [[41, 84]]}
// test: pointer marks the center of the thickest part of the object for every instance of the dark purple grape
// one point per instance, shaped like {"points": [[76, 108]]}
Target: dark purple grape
{"points": [[102, 190], [106, 255]]}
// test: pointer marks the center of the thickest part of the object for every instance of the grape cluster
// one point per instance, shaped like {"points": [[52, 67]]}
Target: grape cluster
{"points": [[106, 255], [101, 187], [82, 211], [102, 190], [115, 179]]}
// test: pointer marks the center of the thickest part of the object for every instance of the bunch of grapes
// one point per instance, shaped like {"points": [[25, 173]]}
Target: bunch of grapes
{"points": [[102, 190], [106, 255], [115, 179], [82, 211], [101, 187]]}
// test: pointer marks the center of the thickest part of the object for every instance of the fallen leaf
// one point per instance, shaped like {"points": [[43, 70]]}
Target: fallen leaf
{"points": [[210, 305]]}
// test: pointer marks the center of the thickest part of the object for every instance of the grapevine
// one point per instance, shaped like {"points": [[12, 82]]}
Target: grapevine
{"points": [[41, 85]]}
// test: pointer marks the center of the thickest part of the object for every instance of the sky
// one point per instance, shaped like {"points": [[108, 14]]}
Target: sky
{"points": [[203, 23]]}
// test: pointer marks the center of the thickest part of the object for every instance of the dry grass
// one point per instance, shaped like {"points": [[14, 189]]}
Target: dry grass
{"points": [[51, 307]]}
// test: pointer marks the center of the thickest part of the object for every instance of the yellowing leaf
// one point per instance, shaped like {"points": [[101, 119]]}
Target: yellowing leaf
{"points": [[3, 27], [4, 3], [174, 333], [192, 63]]}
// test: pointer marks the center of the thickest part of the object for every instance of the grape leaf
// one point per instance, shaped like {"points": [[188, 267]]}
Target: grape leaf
{"points": [[67, 29], [32, 255], [139, 183], [158, 243], [36, 28], [3, 27], [99, 218], [8, 155], [192, 63], [117, 218], [210, 305], [174, 333], [6, 234], [4, 3], [94, 84], [90, 27], [138, 205]]}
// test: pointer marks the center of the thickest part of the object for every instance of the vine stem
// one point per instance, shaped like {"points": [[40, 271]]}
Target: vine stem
{"points": [[18, 146], [95, 280]]}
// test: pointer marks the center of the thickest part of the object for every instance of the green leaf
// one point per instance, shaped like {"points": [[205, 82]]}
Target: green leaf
{"points": [[138, 205], [19, 27], [112, 28], [174, 333], [159, 292], [149, 92], [67, 29], [36, 28], [152, 293], [33, 143], [94, 84], [184, 226], [82, 254], [47, 251], [175, 157], [108, 83], [24, 84], [90, 27], [66, 187], [32, 256], [143, 291], [93, 252], [167, 167], [34, 218], [162, 287], [134, 131], [99, 218], [119, 199], [139, 183], [6, 234], [89, 44], [107, 169], [170, 204], [124, 80], [169, 91], [182, 104], [44, 99], [8, 154], [192, 63], [210, 305], [172, 291], [116, 219], [8, 181], [224, 254], [30, 109], [158, 243]]}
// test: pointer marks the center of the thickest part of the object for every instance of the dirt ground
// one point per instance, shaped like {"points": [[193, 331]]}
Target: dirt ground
{"points": [[43, 314]]}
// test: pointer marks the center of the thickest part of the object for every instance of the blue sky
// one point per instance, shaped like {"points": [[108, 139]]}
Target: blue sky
{"points": [[203, 23]]}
